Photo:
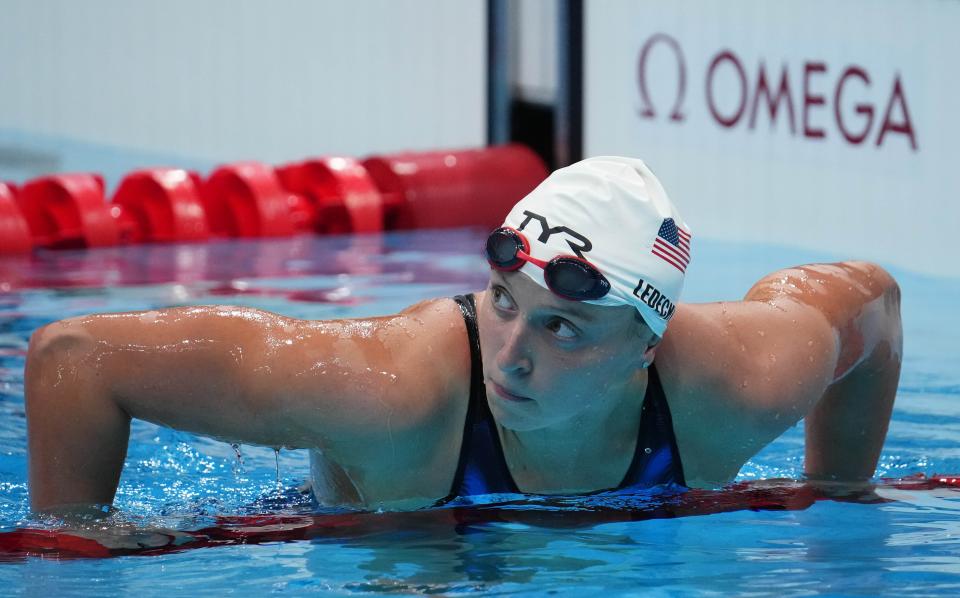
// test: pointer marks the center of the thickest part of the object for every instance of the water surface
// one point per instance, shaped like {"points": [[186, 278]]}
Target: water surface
{"points": [[908, 545]]}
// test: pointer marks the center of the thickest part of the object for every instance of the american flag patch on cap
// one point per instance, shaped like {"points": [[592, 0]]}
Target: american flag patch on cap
{"points": [[672, 245]]}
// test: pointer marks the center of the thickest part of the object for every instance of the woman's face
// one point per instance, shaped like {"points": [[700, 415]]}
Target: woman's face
{"points": [[547, 360]]}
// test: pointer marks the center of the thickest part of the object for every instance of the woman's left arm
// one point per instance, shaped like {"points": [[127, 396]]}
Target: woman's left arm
{"points": [[846, 428]]}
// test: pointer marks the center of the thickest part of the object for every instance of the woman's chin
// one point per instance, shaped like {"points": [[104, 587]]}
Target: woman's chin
{"points": [[514, 415]]}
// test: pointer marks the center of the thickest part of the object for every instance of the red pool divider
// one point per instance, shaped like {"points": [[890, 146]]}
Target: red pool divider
{"points": [[160, 205], [14, 233], [246, 199], [761, 495], [331, 195], [68, 211], [449, 189], [344, 196]]}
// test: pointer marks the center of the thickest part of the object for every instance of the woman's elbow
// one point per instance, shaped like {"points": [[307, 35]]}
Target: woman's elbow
{"points": [[892, 326], [55, 359], [877, 280]]}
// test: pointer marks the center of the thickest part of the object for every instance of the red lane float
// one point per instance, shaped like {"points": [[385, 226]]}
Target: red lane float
{"points": [[344, 196], [68, 211], [160, 205], [14, 232], [455, 188], [555, 513], [245, 199], [249, 199]]}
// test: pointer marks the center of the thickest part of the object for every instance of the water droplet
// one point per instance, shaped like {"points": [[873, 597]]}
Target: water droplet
{"points": [[647, 450], [276, 459], [761, 333], [810, 343], [238, 464]]}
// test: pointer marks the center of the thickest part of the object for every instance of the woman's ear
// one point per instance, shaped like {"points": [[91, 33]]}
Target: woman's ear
{"points": [[649, 341], [650, 352]]}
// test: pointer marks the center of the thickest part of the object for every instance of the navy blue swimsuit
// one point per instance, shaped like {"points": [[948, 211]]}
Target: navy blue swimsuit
{"points": [[482, 468]]}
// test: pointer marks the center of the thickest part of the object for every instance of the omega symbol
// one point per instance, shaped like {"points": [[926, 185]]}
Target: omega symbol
{"points": [[647, 109]]}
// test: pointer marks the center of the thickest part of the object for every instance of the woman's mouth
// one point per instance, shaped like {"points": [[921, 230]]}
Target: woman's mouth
{"points": [[506, 394]]}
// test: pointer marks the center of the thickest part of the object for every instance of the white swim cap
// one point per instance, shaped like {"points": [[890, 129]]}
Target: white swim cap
{"points": [[612, 212]]}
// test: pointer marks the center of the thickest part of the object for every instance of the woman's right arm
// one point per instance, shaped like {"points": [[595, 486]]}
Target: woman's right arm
{"points": [[235, 374]]}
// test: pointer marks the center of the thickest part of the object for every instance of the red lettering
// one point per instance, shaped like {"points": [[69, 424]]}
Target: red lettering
{"points": [[863, 109], [905, 127], [648, 111], [810, 100], [729, 56], [772, 103]]}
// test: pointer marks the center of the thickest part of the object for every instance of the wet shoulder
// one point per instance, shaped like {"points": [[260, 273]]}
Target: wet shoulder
{"points": [[437, 348], [739, 351], [736, 374], [437, 405]]}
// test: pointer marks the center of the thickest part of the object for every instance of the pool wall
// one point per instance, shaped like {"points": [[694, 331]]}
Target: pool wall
{"points": [[221, 81]]}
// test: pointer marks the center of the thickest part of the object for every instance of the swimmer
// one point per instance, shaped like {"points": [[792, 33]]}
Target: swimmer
{"points": [[576, 370]]}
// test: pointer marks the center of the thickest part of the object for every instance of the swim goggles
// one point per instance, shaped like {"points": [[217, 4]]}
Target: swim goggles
{"points": [[568, 276]]}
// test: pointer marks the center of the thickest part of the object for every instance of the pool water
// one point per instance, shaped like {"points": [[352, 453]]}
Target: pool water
{"points": [[907, 544]]}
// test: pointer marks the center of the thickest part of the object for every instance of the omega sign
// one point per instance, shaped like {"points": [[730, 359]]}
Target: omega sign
{"points": [[799, 95]]}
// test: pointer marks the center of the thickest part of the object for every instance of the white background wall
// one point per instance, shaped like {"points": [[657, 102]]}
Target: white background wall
{"points": [[222, 80], [887, 202]]}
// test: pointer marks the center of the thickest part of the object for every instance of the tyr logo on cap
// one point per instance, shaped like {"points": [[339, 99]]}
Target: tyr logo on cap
{"points": [[546, 232]]}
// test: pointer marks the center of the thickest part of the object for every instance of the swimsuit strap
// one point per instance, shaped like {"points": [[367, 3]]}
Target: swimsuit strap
{"points": [[482, 468], [656, 459]]}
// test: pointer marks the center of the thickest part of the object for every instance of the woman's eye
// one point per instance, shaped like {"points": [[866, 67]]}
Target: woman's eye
{"points": [[561, 328], [500, 298]]}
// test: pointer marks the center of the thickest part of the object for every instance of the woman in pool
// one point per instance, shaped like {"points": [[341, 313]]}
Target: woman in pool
{"points": [[544, 382]]}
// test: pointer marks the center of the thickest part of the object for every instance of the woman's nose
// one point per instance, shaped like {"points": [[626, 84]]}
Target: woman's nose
{"points": [[514, 355]]}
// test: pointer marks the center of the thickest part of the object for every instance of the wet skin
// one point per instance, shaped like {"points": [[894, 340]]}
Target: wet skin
{"points": [[382, 401]]}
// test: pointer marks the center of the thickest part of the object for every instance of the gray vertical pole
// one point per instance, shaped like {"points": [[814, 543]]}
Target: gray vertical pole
{"points": [[498, 72], [568, 116]]}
